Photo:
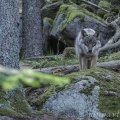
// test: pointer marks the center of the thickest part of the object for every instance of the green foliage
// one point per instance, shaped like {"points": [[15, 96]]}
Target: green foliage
{"points": [[10, 78], [50, 52], [114, 56], [108, 15], [53, 62], [104, 4], [49, 20]]}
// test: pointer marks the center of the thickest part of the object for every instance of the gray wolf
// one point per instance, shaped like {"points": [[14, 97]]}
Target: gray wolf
{"points": [[87, 47]]}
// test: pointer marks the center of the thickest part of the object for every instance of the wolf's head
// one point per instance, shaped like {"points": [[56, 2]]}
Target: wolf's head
{"points": [[90, 41]]}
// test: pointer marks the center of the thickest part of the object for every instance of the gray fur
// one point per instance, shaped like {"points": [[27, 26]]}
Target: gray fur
{"points": [[87, 45]]}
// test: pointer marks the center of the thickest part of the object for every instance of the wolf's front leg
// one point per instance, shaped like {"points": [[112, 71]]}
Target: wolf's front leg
{"points": [[82, 62], [94, 62]]}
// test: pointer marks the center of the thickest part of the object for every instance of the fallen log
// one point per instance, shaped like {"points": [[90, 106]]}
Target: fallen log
{"points": [[63, 70], [59, 70], [111, 65]]}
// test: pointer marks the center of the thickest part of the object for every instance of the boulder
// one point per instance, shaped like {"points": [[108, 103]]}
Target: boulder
{"points": [[14, 103], [92, 94], [51, 9], [70, 20]]}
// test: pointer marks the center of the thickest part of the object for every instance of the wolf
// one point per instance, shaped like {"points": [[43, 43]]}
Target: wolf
{"points": [[87, 46]]}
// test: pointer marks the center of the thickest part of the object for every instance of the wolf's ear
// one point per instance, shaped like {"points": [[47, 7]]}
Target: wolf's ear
{"points": [[97, 34], [83, 32]]}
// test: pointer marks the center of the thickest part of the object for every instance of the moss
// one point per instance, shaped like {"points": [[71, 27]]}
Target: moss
{"points": [[72, 16], [104, 4], [114, 56], [105, 16], [115, 9], [70, 12], [88, 90], [40, 101], [49, 20], [43, 112], [107, 104], [92, 15], [19, 102], [14, 103], [8, 112], [101, 13]]}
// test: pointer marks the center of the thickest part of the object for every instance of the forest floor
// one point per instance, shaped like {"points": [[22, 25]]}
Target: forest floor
{"points": [[44, 116]]}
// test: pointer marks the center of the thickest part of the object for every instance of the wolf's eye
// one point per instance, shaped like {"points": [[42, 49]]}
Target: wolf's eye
{"points": [[94, 43], [86, 43]]}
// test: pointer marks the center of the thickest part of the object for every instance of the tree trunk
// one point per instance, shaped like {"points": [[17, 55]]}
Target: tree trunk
{"points": [[32, 29], [9, 33]]}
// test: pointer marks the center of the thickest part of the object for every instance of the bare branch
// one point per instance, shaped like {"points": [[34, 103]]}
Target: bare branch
{"points": [[90, 3], [115, 25], [110, 46]]}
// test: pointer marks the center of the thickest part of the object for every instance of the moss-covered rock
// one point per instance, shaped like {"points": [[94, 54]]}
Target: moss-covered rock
{"points": [[14, 103], [41, 100], [105, 82], [109, 90], [73, 11]]}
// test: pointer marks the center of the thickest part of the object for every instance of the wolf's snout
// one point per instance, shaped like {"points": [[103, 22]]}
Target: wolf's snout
{"points": [[90, 51]]}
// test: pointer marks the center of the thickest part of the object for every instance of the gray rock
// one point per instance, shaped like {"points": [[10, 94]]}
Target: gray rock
{"points": [[73, 103], [11, 101], [50, 10], [5, 118], [70, 32]]}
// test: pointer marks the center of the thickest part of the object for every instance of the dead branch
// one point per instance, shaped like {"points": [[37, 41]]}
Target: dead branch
{"points": [[90, 3], [110, 46], [115, 25], [114, 41]]}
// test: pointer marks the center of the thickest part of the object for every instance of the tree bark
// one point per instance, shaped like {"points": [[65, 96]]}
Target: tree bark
{"points": [[32, 29], [9, 33]]}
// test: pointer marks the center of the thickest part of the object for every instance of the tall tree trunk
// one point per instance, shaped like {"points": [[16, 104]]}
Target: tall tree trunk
{"points": [[32, 29], [9, 33]]}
